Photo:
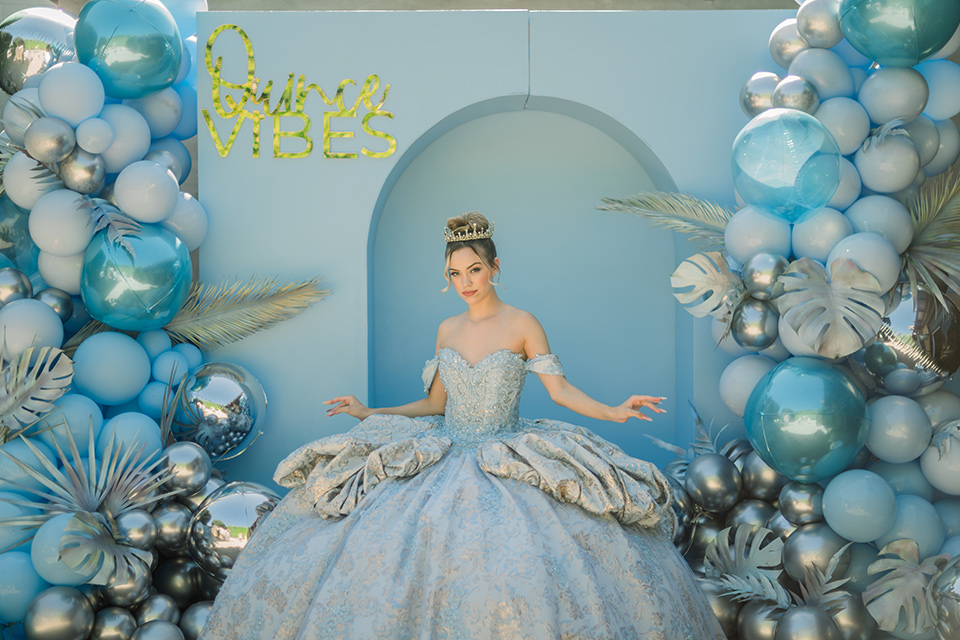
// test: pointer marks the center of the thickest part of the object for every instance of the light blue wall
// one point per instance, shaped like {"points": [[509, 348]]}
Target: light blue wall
{"points": [[648, 97]]}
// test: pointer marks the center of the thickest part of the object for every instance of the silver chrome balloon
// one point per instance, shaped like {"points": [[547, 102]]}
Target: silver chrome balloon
{"points": [[14, 285], [786, 42], [813, 545], [761, 481], [223, 524], [760, 272], [852, 618], [167, 159], [209, 586], [113, 623], [158, 607], [59, 613], [158, 630], [724, 606], [49, 139], [127, 590], [944, 602], [750, 512], [755, 324], [223, 403], [756, 96], [917, 348], [31, 41], [683, 508], [94, 595], [705, 530], [802, 503], [758, 620], [194, 500], [137, 528], [736, 450], [796, 92], [108, 193], [818, 22], [713, 482], [194, 619], [807, 623], [179, 578], [780, 525], [58, 300], [173, 522], [189, 466], [82, 171]]}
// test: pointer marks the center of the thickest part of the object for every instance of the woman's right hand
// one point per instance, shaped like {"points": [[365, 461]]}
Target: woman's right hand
{"points": [[348, 405]]}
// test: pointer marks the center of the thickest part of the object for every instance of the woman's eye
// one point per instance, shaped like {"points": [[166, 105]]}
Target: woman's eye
{"points": [[475, 270]]}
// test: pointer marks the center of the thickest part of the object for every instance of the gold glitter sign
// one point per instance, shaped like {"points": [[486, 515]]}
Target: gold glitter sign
{"points": [[290, 120]]}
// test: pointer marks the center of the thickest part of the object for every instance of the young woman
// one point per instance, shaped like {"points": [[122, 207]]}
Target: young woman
{"points": [[452, 517]]}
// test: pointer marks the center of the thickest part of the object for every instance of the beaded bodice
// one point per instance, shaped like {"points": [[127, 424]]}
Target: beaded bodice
{"points": [[484, 399]]}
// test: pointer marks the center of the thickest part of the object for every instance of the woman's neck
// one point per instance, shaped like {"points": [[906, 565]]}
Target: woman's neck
{"points": [[490, 306]]}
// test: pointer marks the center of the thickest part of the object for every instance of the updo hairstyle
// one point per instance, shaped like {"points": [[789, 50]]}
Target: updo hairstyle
{"points": [[483, 247]]}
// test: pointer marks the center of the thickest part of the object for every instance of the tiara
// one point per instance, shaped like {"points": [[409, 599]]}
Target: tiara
{"points": [[463, 236]]}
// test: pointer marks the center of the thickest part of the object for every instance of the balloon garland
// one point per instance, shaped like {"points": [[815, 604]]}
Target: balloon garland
{"points": [[834, 284]]}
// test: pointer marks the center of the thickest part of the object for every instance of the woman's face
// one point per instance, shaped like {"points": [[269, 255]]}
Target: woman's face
{"points": [[472, 279]]}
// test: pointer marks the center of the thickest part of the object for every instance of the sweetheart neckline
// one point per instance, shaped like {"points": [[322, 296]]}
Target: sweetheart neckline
{"points": [[481, 360]]}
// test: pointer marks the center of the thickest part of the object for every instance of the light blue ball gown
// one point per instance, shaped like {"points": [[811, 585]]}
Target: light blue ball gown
{"points": [[472, 525]]}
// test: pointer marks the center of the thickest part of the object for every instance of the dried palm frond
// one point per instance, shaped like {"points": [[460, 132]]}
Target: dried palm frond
{"points": [[819, 589], [755, 587], [214, 316], [107, 217], [30, 383], [29, 111], [931, 258], [705, 441], [703, 221]]}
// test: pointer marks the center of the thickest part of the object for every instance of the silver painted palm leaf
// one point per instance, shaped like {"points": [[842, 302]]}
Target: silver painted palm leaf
{"points": [[902, 589], [30, 384], [88, 547]]}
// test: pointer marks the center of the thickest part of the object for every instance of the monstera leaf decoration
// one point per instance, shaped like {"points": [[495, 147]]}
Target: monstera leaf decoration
{"points": [[833, 317], [709, 288], [902, 588], [87, 546]]}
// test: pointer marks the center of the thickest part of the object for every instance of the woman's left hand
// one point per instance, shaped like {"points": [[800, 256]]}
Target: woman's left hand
{"points": [[631, 408]]}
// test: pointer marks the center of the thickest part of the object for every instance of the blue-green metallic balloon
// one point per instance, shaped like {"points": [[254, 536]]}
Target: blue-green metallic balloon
{"points": [[898, 33], [134, 46], [806, 419], [139, 290]]}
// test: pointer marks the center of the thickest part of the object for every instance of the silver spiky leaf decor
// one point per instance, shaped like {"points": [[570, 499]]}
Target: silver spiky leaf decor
{"points": [[28, 386], [88, 547], [819, 588], [705, 286], [902, 588], [703, 221]]}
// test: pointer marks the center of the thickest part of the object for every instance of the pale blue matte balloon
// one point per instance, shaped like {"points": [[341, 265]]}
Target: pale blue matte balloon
{"points": [[919, 521], [45, 553], [806, 419], [752, 230], [9, 534], [132, 430], [900, 429], [859, 504], [170, 365], [898, 33], [949, 510], [817, 232], [111, 368], [786, 162], [136, 291], [19, 584], [861, 556], [905, 478], [134, 46], [154, 342], [75, 412], [150, 401], [11, 472], [192, 352]]}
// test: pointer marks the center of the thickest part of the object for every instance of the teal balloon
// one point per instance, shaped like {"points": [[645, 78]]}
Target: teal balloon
{"points": [[139, 290], [806, 419], [898, 33], [134, 46], [786, 162], [19, 584]]}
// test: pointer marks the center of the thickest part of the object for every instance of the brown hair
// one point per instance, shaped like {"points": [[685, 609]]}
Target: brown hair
{"points": [[483, 247]]}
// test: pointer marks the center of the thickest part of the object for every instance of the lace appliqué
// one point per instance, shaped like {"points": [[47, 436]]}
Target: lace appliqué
{"points": [[547, 364]]}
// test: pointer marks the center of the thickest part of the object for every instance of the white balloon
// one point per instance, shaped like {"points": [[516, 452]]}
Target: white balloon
{"points": [[949, 149], [850, 55], [941, 406], [894, 92], [131, 137], [846, 120], [71, 91], [19, 112], [850, 186], [62, 272], [739, 378], [59, 225], [871, 253], [162, 111], [899, 429], [28, 323], [943, 471], [23, 181], [725, 343], [818, 21], [146, 191], [859, 76], [786, 42], [188, 221], [943, 81], [751, 231], [887, 164], [925, 137], [882, 215], [816, 233], [826, 70], [94, 135]]}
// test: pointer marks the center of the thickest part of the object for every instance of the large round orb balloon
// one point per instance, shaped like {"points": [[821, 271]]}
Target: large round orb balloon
{"points": [[140, 289], [917, 347], [786, 162], [898, 33], [133, 45], [31, 41], [806, 419], [222, 404], [223, 524]]}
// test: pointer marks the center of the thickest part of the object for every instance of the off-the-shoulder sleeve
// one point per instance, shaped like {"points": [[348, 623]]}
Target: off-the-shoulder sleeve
{"points": [[429, 371], [547, 364]]}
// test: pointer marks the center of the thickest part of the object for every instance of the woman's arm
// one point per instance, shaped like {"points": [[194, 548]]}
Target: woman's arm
{"points": [[432, 405], [569, 396]]}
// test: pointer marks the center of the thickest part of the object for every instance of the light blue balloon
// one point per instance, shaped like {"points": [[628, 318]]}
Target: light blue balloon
{"points": [[818, 231], [949, 510], [806, 419], [136, 291], [752, 230], [11, 535], [19, 585], [188, 123], [170, 365], [45, 553], [192, 352], [951, 546], [132, 430], [154, 342], [861, 556], [786, 162], [184, 12], [906, 478], [110, 368], [919, 521], [11, 472], [898, 33], [178, 149], [859, 504], [75, 412], [150, 401], [134, 46]]}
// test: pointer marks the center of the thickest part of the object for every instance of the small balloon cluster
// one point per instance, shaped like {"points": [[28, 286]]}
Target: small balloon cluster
{"points": [[834, 286]]}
